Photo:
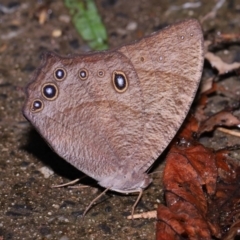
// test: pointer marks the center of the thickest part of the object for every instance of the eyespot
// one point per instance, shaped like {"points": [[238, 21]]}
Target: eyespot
{"points": [[83, 74], [60, 74], [50, 91], [37, 105], [101, 73], [120, 81]]}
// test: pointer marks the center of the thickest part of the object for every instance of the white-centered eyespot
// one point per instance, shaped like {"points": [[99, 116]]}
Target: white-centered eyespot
{"points": [[120, 81], [60, 74], [101, 73], [37, 105], [83, 74], [50, 91]]}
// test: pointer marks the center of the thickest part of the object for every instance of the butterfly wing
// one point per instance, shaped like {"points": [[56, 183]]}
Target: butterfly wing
{"points": [[169, 66], [111, 114]]}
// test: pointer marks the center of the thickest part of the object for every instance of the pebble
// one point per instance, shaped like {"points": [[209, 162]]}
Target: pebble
{"points": [[57, 33], [64, 18], [132, 26], [47, 172], [64, 238]]}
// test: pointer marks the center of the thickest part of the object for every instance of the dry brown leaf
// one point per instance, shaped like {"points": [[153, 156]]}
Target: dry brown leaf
{"points": [[206, 84], [226, 38], [188, 171], [201, 186], [221, 66], [223, 118]]}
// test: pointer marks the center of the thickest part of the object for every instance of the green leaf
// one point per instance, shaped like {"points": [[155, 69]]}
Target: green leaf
{"points": [[88, 23]]}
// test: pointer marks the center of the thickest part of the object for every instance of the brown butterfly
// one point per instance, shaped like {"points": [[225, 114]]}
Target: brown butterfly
{"points": [[111, 114]]}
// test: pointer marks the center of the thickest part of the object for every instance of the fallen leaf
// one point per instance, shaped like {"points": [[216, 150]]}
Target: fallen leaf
{"points": [[221, 66], [188, 171], [206, 84], [222, 118], [201, 186]]}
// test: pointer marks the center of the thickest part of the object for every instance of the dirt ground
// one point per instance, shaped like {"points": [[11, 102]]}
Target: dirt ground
{"points": [[30, 208]]}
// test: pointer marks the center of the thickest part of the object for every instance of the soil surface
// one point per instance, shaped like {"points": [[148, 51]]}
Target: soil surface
{"points": [[30, 208]]}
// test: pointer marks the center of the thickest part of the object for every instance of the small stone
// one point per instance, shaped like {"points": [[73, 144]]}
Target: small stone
{"points": [[64, 18], [47, 172], [64, 238], [56, 206], [132, 26], [57, 33], [121, 31]]}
